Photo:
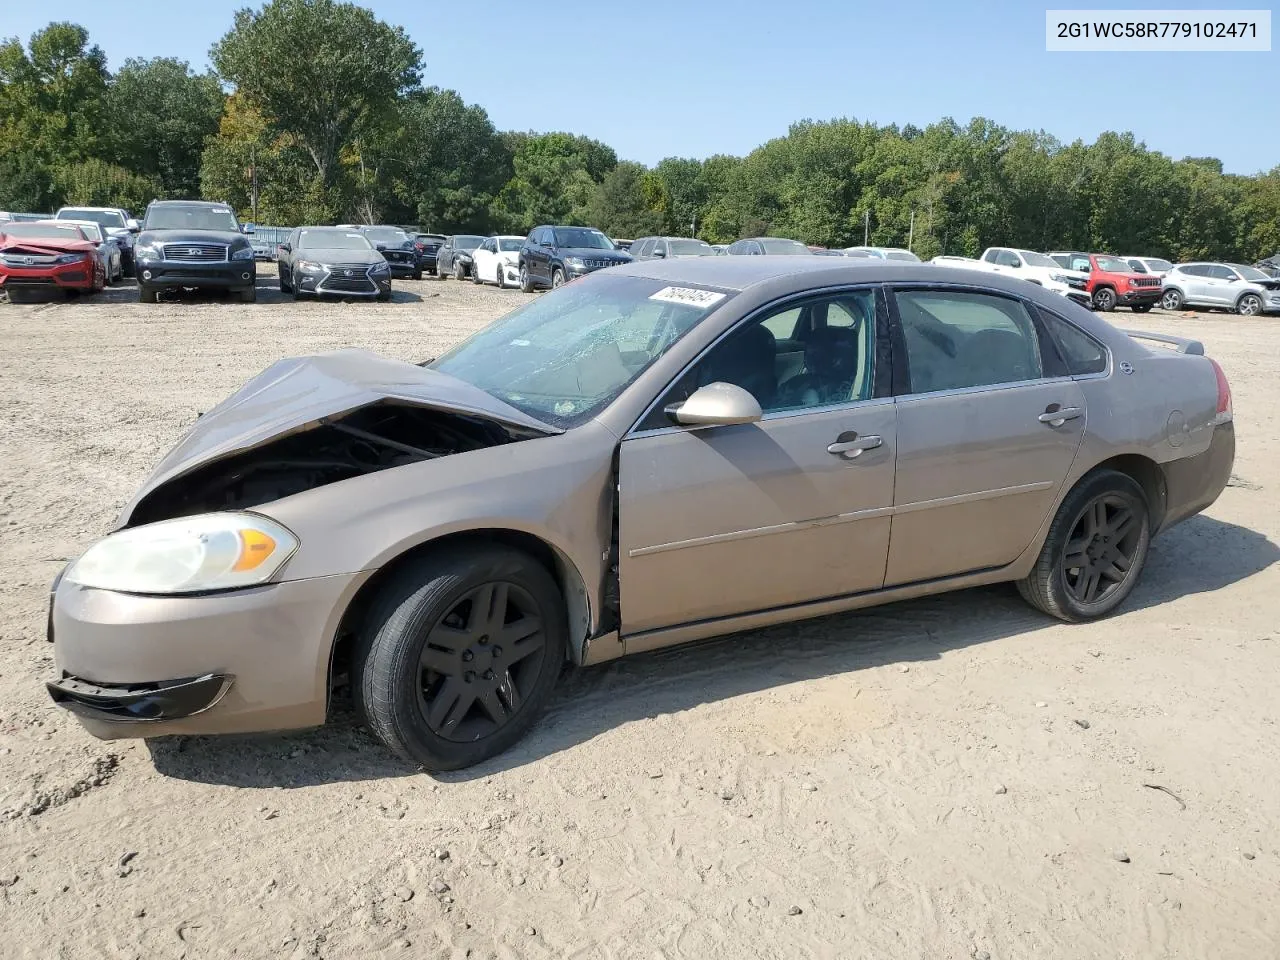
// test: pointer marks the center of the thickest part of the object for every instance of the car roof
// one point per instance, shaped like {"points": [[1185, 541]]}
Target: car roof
{"points": [[182, 203]]}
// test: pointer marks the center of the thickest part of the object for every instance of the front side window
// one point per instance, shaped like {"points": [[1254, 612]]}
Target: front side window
{"points": [[691, 248], [814, 354], [956, 340], [1218, 272], [1007, 258], [1033, 259], [565, 356]]}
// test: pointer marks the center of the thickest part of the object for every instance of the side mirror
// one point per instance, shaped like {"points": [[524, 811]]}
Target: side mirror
{"points": [[1015, 265], [1232, 279], [659, 254], [381, 247], [133, 225], [246, 228], [286, 248], [716, 404]]}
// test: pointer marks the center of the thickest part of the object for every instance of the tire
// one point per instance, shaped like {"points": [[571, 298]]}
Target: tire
{"points": [[475, 276], [557, 278], [285, 287], [148, 294], [249, 295], [1104, 299], [1142, 307], [500, 274], [1250, 305], [384, 297], [1062, 590], [409, 692], [1171, 300], [458, 272], [417, 274], [526, 281]]}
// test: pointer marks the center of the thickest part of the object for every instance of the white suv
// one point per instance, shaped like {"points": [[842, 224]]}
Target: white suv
{"points": [[1152, 265], [1037, 268], [1227, 286]]}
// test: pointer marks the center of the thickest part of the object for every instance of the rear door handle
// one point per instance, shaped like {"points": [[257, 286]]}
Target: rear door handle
{"points": [[1056, 418], [854, 446]]}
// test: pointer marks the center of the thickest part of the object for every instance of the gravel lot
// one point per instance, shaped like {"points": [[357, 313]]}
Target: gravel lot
{"points": [[949, 778]]}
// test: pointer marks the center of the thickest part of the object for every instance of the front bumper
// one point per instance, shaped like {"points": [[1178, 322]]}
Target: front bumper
{"points": [[224, 274], [335, 284], [1139, 297], [510, 272], [1271, 302], [70, 276], [234, 662]]}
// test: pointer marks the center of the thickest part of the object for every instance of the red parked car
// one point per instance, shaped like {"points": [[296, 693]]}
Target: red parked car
{"points": [[48, 256], [1112, 282]]}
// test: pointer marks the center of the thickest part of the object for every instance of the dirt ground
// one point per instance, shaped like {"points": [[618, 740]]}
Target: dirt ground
{"points": [[956, 777]]}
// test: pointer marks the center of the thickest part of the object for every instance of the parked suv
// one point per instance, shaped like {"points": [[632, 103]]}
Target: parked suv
{"points": [[188, 243], [1226, 286], [1112, 282], [114, 221], [773, 246], [659, 248], [1036, 268], [1152, 265], [554, 255]]}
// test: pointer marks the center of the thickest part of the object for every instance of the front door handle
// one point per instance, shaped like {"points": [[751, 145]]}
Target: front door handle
{"points": [[1056, 418], [852, 445]]}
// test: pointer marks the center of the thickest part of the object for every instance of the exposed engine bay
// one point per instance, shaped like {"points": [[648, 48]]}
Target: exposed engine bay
{"points": [[371, 438]]}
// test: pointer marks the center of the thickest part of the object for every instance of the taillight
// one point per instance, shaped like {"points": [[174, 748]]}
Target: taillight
{"points": [[1224, 394]]}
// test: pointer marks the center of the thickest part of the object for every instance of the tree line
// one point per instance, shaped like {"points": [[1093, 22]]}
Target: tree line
{"points": [[315, 111]]}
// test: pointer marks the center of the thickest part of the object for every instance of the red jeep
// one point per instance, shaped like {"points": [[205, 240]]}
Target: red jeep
{"points": [[1112, 282]]}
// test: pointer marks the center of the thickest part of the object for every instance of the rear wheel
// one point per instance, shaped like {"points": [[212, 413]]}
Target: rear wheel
{"points": [[148, 294], [1171, 300], [1095, 550], [1142, 308], [1104, 299], [459, 655], [1250, 305]]}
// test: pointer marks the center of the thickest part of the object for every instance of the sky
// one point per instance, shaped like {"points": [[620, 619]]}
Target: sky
{"points": [[657, 78]]}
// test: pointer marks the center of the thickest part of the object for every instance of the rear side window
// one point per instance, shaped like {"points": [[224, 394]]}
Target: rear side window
{"points": [[957, 339], [1082, 354]]}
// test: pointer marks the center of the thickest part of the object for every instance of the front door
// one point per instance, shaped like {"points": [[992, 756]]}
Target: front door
{"points": [[985, 439], [724, 520]]}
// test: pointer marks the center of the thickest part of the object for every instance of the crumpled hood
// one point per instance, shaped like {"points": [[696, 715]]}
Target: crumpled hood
{"points": [[292, 394]]}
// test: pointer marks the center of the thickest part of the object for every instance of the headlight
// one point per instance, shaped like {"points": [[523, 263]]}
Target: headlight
{"points": [[148, 251], [244, 253], [1059, 278], [574, 261], [72, 258], [212, 551], [380, 267], [309, 266]]}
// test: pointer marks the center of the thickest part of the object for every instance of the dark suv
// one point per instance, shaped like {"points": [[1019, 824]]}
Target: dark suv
{"points": [[553, 255], [192, 244], [425, 246]]}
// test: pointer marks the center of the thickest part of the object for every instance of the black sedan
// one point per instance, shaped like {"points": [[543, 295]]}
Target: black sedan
{"points": [[398, 249], [454, 255], [426, 246], [332, 261]]}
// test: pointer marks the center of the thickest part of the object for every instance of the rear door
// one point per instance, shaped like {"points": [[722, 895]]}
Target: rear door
{"points": [[986, 436]]}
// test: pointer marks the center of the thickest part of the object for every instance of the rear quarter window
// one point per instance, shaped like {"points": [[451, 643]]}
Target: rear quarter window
{"points": [[1082, 354]]}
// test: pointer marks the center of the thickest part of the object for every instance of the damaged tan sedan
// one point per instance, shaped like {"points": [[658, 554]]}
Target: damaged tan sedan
{"points": [[654, 454]]}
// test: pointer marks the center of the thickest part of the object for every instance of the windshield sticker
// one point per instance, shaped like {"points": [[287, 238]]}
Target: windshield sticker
{"points": [[689, 296], [519, 343], [356, 236], [221, 209]]}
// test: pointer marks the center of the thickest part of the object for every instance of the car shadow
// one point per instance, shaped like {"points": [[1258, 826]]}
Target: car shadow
{"points": [[591, 701], [267, 292]]}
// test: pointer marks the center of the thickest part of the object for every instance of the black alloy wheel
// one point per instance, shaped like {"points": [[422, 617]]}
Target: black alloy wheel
{"points": [[480, 662], [1104, 299], [1101, 548]]}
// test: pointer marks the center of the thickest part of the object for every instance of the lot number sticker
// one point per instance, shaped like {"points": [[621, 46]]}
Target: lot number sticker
{"points": [[688, 296]]}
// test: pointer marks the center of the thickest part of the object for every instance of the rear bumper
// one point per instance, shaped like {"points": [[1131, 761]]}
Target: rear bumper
{"points": [[401, 268], [1194, 483]]}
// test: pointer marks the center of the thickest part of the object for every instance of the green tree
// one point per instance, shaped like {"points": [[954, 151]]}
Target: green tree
{"points": [[159, 114], [621, 205], [322, 72]]}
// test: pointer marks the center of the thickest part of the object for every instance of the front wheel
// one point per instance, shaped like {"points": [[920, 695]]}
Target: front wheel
{"points": [[249, 295], [459, 654], [417, 274], [557, 278], [1171, 300], [526, 281], [500, 275], [384, 296], [285, 286], [148, 294], [1250, 305], [458, 272], [1104, 299], [1095, 550]]}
